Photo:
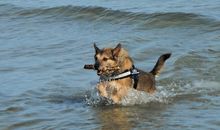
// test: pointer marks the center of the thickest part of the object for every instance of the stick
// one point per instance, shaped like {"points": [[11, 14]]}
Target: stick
{"points": [[89, 66]]}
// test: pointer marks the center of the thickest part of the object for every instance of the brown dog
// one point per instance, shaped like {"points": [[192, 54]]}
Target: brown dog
{"points": [[118, 74]]}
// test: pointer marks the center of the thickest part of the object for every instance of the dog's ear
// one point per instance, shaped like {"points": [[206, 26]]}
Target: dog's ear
{"points": [[97, 50], [116, 50]]}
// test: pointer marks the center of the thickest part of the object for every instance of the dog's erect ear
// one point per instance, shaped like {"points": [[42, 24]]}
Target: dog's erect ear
{"points": [[97, 50], [116, 50]]}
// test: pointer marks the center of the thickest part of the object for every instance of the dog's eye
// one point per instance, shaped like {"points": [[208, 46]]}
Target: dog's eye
{"points": [[105, 59]]}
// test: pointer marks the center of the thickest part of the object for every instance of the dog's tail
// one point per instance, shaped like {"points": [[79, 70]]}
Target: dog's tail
{"points": [[160, 63]]}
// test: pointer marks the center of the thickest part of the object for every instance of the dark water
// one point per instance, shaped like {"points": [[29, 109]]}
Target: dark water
{"points": [[44, 45]]}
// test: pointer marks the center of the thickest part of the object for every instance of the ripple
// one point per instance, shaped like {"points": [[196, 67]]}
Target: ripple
{"points": [[14, 109], [27, 123]]}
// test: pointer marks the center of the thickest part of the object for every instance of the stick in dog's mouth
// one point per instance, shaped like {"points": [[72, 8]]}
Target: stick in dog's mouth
{"points": [[89, 66]]}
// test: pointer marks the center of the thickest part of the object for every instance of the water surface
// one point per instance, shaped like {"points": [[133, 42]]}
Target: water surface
{"points": [[45, 44]]}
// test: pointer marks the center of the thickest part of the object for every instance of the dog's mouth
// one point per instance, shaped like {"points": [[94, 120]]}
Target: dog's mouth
{"points": [[108, 71], [99, 72], [105, 73]]}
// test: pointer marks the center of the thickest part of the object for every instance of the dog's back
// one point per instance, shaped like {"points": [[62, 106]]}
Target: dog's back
{"points": [[146, 81]]}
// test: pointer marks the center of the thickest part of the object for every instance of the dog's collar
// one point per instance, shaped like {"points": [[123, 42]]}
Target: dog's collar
{"points": [[133, 73]]}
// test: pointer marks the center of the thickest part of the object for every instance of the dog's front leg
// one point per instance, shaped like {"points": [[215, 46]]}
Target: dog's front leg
{"points": [[102, 90], [116, 99]]}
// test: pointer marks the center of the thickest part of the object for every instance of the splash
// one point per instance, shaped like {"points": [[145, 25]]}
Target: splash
{"points": [[92, 98], [132, 98], [140, 97], [164, 94]]}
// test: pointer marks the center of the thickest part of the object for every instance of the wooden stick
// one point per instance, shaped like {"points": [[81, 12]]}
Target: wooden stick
{"points": [[89, 66]]}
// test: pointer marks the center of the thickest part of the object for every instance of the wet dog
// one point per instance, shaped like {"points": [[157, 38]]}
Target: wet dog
{"points": [[118, 74]]}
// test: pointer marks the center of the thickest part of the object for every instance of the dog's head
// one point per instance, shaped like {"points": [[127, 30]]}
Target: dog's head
{"points": [[107, 60]]}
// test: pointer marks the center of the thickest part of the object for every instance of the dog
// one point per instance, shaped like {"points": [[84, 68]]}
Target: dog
{"points": [[118, 74]]}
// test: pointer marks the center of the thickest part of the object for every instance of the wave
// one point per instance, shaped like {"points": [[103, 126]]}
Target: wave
{"points": [[93, 13]]}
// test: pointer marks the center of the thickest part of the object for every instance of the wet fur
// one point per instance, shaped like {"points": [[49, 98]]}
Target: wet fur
{"points": [[110, 61]]}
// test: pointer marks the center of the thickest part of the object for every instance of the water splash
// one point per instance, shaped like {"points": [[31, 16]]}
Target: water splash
{"points": [[92, 98], [164, 94], [133, 97], [140, 97]]}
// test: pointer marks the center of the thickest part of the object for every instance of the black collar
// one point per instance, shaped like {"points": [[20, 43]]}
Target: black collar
{"points": [[133, 73]]}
